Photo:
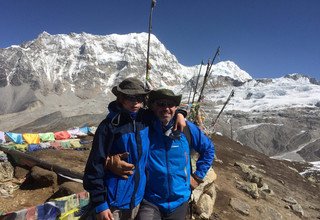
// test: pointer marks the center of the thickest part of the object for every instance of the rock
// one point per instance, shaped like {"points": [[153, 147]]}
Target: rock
{"points": [[20, 172], [250, 176], [44, 178], [290, 200], [294, 169], [312, 179], [211, 176], [250, 188], [297, 209], [211, 191], [6, 171], [239, 206], [216, 160], [314, 208], [269, 213], [205, 186], [204, 197], [204, 206], [264, 191], [68, 188]]}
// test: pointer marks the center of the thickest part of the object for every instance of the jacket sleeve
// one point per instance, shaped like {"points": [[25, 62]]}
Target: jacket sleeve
{"points": [[204, 146], [93, 179]]}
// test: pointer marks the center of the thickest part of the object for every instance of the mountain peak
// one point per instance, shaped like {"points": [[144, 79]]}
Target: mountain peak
{"points": [[299, 76], [232, 70]]}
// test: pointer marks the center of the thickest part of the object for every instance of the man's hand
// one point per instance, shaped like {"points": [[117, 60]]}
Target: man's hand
{"points": [[105, 215], [118, 166], [193, 183], [180, 123]]}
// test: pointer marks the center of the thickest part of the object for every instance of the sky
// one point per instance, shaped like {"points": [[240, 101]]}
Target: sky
{"points": [[266, 38]]}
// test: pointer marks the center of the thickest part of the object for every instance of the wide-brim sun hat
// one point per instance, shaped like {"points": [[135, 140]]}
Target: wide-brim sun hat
{"points": [[130, 86], [164, 94]]}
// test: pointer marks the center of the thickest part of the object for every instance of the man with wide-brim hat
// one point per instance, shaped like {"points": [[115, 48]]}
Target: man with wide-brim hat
{"points": [[130, 86], [123, 133], [164, 94], [168, 168], [131, 94]]}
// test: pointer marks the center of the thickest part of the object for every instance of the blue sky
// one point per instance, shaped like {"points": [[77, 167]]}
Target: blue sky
{"points": [[269, 38]]}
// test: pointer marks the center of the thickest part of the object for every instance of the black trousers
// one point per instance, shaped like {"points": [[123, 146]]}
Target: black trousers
{"points": [[149, 211]]}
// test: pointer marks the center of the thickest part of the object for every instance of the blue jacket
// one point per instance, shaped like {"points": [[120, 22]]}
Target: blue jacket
{"points": [[118, 133], [168, 166]]}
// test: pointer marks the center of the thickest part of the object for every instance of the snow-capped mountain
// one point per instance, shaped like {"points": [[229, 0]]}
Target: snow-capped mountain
{"points": [[76, 61], [73, 74]]}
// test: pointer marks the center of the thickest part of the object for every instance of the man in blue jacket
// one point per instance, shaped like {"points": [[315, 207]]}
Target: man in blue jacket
{"points": [[168, 168], [125, 130]]}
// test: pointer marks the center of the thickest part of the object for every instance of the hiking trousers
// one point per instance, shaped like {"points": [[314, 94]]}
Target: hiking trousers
{"points": [[119, 214], [149, 211]]}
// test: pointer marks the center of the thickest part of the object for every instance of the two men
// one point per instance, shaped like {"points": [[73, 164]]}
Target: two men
{"points": [[147, 140], [126, 129]]}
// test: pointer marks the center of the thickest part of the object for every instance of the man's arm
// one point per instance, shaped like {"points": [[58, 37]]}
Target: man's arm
{"points": [[204, 146], [93, 179], [118, 166]]}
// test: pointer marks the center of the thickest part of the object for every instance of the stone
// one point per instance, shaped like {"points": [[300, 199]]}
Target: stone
{"points": [[290, 200], [240, 206], [207, 185], [211, 176], [211, 191], [44, 178], [269, 213], [20, 172], [250, 188], [6, 171], [204, 206], [250, 175], [68, 188], [297, 209]]}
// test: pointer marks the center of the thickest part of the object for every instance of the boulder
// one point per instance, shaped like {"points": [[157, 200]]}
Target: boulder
{"points": [[44, 178], [240, 206]]}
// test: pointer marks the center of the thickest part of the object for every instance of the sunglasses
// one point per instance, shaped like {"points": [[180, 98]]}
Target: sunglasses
{"points": [[165, 103], [134, 98]]}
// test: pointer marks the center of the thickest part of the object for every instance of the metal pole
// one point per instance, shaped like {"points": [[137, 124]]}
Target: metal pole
{"points": [[153, 3], [228, 99], [208, 73], [196, 87]]}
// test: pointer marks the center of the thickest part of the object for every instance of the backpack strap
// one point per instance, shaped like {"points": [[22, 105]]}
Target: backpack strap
{"points": [[187, 133]]}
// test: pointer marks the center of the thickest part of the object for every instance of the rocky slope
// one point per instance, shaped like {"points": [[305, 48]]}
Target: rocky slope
{"points": [[247, 184]]}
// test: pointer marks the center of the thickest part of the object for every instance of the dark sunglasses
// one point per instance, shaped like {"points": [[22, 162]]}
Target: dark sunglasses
{"points": [[134, 98], [165, 103]]}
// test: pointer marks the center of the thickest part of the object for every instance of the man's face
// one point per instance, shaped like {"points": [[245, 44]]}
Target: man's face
{"points": [[132, 103], [164, 109]]}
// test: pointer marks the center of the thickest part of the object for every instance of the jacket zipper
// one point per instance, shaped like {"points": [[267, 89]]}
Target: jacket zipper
{"points": [[168, 178], [137, 172]]}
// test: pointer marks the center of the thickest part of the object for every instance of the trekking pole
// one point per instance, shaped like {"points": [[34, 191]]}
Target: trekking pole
{"points": [[189, 99], [208, 73], [214, 58], [148, 66], [196, 87], [228, 99], [204, 80]]}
